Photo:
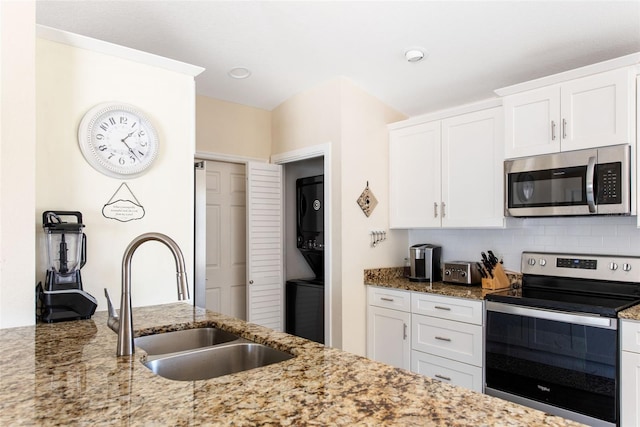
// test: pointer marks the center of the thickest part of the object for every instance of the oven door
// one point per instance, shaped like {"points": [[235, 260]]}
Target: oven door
{"points": [[562, 363]]}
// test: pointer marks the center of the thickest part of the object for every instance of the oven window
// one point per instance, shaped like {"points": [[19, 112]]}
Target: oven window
{"points": [[551, 187], [562, 364]]}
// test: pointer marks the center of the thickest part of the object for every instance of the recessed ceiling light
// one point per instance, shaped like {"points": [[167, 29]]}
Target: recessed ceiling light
{"points": [[414, 55], [239, 73]]}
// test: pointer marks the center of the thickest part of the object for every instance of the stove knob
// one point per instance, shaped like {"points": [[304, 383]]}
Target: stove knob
{"points": [[463, 274], [613, 266], [626, 267], [531, 261], [447, 273], [543, 262]]}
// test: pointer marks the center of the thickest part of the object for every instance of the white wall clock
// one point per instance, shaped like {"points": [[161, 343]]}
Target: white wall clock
{"points": [[118, 140]]}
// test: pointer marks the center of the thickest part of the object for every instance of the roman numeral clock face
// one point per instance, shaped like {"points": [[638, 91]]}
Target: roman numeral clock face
{"points": [[118, 140]]}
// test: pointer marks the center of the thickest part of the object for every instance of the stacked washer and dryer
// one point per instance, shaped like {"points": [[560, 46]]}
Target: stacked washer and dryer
{"points": [[304, 312]]}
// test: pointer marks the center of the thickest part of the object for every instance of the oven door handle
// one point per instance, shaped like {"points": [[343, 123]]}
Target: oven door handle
{"points": [[590, 190], [558, 316]]}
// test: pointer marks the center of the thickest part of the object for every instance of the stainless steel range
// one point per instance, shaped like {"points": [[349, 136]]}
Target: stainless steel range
{"points": [[553, 344]]}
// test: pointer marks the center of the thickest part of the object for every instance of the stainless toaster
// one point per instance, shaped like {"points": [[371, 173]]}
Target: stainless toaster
{"points": [[461, 273]]}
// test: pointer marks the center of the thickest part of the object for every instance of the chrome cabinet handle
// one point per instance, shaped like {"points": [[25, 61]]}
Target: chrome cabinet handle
{"points": [[590, 189], [442, 377], [443, 339], [553, 130], [405, 331], [439, 307], [435, 210], [442, 209], [564, 129], [386, 299]]}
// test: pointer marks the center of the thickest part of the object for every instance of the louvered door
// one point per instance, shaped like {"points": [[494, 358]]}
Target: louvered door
{"points": [[265, 284]]}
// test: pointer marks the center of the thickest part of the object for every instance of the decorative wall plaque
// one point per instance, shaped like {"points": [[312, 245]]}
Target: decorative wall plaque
{"points": [[121, 208], [367, 201]]}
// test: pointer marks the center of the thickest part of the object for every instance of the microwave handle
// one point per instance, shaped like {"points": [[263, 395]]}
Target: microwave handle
{"points": [[591, 169]]}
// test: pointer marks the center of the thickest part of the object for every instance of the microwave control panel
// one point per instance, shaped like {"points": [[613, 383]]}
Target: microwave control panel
{"points": [[608, 183]]}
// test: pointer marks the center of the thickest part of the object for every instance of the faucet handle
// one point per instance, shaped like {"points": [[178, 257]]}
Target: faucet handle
{"points": [[112, 311]]}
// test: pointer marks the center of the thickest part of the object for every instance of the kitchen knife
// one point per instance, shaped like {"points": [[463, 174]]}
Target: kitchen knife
{"points": [[492, 258], [481, 270], [488, 267]]}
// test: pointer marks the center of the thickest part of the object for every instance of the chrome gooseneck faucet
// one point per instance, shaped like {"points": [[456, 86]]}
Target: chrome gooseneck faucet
{"points": [[123, 325]]}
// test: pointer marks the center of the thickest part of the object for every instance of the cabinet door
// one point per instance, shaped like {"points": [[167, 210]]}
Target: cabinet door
{"points": [[389, 336], [597, 111], [446, 370], [414, 176], [532, 122], [472, 170], [630, 389]]}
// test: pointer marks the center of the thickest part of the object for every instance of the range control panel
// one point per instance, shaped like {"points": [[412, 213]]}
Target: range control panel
{"points": [[585, 266]]}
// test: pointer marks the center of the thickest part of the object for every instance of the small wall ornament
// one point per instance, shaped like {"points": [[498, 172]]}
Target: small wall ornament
{"points": [[121, 208], [367, 201]]}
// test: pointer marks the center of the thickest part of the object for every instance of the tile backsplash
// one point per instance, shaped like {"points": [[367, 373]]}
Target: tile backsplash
{"points": [[590, 235]]}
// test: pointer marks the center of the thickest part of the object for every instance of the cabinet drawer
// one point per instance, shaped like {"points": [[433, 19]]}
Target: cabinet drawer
{"points": [[454, 340], [447, 370], [389, 298], [450, 308], [630, 331]]}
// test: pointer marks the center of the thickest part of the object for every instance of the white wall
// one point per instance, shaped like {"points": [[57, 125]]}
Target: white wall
{"points": [[591, 235], [17, 166], [70, 81]]}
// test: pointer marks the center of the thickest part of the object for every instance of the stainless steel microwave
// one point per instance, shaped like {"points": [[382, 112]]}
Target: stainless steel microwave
{"points": [[582, 182]]}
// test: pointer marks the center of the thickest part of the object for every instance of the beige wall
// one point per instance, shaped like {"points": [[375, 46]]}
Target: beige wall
{"points": [[365, 145], [354, 122], [17, 166], [69, 82], [232, 129], [307, 119]]}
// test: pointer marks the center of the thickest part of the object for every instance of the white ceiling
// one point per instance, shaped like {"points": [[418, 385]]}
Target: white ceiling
{"points": [[473, 47]]}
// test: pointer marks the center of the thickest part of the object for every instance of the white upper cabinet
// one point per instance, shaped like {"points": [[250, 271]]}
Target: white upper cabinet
{"points": [[472, 165], [448, 173], [587, 112], [414, 176]]}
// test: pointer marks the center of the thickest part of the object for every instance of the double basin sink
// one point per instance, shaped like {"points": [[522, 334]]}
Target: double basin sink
{"points": [[203, 353]]}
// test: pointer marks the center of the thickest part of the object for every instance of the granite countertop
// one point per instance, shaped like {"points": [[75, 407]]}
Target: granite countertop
{"points": [[68, 374], [392, 278]]}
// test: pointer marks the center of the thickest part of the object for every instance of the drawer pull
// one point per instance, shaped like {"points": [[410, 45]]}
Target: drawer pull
{"points": [[439, 307], [443, 339], [386, 299], [405, 331], [442, 377]]}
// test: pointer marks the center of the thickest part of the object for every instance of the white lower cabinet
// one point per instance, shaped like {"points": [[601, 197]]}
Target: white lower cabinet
{"points": [[436, 336], [630, 374], [447, 339], [447, 370], [389, 329]]}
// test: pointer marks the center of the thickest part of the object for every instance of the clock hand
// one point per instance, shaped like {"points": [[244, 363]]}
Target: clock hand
{"points": [[133, 153], [128, 136]]}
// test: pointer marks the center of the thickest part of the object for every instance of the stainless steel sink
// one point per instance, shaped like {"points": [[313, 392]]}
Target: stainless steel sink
{"points": [[187, 339], [215, 361]]}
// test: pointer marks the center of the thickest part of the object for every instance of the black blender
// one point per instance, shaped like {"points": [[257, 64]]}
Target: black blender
{"points": [[62, 298]]}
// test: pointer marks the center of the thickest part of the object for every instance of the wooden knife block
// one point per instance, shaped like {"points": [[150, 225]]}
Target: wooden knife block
{"points": [[499, 280]]}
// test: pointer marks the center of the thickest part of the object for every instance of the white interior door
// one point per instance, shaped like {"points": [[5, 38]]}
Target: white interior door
{"points": [[265, 250], [226, 238]]}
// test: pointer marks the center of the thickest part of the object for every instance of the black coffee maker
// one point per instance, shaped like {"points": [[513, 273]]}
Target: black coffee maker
{"points": [[62, 297]]}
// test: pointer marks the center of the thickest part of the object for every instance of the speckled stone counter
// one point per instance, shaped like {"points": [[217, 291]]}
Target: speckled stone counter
{"points": [[67, 374], [632, 313], [392, 277]]}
